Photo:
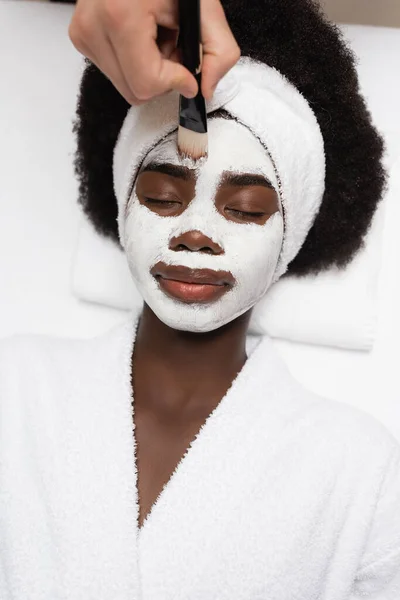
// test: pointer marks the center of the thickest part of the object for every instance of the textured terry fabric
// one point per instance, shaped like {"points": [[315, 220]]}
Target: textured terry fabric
{"points": [[283, 495]]}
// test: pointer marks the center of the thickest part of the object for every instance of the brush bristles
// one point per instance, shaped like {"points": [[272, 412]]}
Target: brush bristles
{"points": [[192, 144]]}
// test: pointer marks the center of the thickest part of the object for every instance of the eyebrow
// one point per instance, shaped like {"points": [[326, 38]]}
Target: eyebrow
{"points": [[177, 171], [241, 180], [186, 174]]}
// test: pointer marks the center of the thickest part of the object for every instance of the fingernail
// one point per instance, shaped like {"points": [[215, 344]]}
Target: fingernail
{"points": [[189, 93]]}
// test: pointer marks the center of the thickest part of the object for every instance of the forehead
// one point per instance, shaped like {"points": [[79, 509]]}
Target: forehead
{"points": [[231, 147]]}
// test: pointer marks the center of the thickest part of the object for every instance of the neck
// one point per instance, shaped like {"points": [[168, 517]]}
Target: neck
{"points": [[183, 369]]}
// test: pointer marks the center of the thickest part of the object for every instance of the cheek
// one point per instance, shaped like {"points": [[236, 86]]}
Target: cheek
{"points": [[145, 233], [256, 250]]}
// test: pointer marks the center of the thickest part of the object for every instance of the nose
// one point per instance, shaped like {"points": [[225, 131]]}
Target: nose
{"points": [[195, 241]]}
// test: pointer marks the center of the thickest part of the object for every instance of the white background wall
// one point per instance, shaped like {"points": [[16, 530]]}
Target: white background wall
{"points": [[369, 12], [385, 13]]}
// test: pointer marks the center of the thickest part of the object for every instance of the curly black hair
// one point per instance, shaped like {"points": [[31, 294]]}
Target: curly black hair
{"points": [[294, 37]]}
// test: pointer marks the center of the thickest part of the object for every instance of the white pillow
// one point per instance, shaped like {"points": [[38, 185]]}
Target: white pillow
{"points": [[336, 308]]}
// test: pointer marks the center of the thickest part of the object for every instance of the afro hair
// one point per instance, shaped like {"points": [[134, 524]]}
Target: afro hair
{"points": [[294, 37]]}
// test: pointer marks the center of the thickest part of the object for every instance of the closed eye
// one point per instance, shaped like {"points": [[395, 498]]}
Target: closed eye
{"points": [[159, 202], [246, 214]]}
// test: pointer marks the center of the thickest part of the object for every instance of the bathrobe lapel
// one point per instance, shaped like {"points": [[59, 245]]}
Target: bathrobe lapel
{"points": [[107, 555], [206, 495], [97, 502]]}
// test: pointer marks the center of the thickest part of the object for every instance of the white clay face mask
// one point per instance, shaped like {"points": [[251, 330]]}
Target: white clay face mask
{"points": [[249, 252]]}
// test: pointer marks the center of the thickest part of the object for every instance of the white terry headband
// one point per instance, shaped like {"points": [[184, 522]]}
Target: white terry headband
{"points": [[263, 100]]}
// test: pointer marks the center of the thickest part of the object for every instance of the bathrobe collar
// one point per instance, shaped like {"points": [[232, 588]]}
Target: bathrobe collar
{"points": [[102, 476]]}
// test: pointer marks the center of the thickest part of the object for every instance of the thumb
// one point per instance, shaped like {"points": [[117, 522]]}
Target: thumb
{"points": [[220, 49], [175, 76]]}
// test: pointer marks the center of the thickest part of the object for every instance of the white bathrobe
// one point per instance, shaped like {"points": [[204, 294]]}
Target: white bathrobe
{"points": [[283, 495]]}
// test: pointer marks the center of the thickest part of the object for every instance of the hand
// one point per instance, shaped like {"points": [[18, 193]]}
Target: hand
{"points": [[134, 43]]}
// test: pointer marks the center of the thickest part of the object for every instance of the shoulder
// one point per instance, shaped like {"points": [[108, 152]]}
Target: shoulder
{"points": [[29, 359], [379, 567], [28, 354], [366, 456], [334, 427], [20, 346], [363, 442], [355, 426]]}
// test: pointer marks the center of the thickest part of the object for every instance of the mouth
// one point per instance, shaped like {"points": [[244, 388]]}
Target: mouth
{"points": [[192, 285]]}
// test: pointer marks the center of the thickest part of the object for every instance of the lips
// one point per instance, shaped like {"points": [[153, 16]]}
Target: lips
{"points": [[192, 285]]}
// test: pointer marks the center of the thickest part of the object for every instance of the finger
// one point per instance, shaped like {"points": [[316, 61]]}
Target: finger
{"points": [[175, 56], [109, 65], [220, 49], [166, 41], [167, 14], [117, 78], [146, 71], [174, 76], [93, 43]]}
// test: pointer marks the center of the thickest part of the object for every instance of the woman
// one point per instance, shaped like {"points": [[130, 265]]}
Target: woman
{"points": [[175, 456]]}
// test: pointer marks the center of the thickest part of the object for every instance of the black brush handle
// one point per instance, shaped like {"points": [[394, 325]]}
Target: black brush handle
{"points": [[190, 34], [192, 111]]}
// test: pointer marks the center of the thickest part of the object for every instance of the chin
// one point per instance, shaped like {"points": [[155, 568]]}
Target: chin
{"points": [[194, 318], [193, 325], [199, 319]]}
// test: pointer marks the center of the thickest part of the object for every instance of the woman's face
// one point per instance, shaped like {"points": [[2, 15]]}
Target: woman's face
{"points": [[203, 240]]}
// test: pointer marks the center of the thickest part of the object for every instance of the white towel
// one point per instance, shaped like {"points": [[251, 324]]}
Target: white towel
{"points": [[337, 308]]}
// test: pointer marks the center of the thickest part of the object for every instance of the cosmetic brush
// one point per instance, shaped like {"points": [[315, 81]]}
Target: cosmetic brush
{"points": [[192, 131]]}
